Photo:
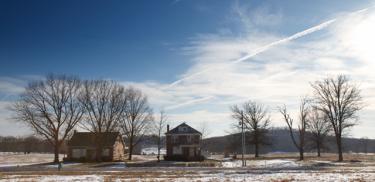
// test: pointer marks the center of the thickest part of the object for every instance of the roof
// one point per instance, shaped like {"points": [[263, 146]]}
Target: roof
{"points": [[87, 139], [188, 130]]}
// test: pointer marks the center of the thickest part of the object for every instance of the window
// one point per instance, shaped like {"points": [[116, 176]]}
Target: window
{"points": [[174, 139], [189, 139], [176, 150], [105, 152], [182, 129]]}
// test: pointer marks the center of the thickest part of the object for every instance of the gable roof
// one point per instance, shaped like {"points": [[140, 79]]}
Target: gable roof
{"points": [[189, 130], [87, 139]]}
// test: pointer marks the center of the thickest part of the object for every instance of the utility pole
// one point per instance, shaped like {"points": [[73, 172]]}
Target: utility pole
{"points": [[243, 140]]}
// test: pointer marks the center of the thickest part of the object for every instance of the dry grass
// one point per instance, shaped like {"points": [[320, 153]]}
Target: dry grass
{"points": [[282, 180]]}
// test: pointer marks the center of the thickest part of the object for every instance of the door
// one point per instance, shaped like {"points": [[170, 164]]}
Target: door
{"points": [[91, 154]]}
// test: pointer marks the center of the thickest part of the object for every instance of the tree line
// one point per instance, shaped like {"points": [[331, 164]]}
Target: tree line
{"points": [[331, 110], [55, 106], [25, 145]]}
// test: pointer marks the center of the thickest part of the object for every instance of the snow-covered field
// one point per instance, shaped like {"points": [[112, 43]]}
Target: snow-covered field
{"points": [[16, 168], [202, 177]]}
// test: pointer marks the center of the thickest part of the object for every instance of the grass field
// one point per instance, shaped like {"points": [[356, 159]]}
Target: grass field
{"points": [[271, 167]]}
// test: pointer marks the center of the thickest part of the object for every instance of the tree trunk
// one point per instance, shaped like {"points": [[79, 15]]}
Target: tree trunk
{"points": [[256, 150], [57, 147], [130, 148], [56, 159], [339, 148], [130, 152], [159, 149], [318, 148], [256, 142], [301, 154]]}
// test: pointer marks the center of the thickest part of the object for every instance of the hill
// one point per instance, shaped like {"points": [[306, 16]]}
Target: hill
{"points": [[280, 141]]}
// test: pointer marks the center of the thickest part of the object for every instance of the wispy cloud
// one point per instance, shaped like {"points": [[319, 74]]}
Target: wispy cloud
{"points": [[190, 102], [267, 47], [279, 72]]}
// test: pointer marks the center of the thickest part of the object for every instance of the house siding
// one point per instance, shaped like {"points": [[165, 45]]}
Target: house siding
{"points": [[118, 150], [182, 145], [87, 153]]}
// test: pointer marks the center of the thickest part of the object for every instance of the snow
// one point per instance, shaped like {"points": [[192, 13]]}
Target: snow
{"points": [[203, 177], [117, 165], [63, 165], [55, 178], [152, 151], [16, 164], [274, 163], [285, 169]]}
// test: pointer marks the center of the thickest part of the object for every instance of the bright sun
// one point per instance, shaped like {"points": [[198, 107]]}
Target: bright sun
{"points": [[361, 37]]}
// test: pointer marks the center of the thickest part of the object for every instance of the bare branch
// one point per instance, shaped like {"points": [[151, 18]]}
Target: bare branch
{"points": [[340, 101], [50, 107]]}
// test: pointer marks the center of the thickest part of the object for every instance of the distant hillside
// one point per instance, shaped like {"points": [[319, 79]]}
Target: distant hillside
{"points": [[281, 142]]}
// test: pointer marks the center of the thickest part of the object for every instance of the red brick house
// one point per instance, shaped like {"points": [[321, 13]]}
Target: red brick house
{"points": [[83, 146], [183, 143]]}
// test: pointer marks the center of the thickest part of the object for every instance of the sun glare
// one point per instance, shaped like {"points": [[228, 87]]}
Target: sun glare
{"points": [[361, 37]]}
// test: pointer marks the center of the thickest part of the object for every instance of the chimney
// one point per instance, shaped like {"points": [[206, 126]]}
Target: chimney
{"points": [[167, 127]]}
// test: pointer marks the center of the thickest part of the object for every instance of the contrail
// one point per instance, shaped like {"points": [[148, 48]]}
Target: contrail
{"points": [[256, 52], [189, 102], [270, 45], [261, 49]]}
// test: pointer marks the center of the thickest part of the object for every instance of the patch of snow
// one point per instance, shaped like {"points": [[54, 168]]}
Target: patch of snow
{"points": [[15, 164], [117, 165], [54, 178], [63, 164], [274, 163], [152, 151], [292, 176], [229, 164]]}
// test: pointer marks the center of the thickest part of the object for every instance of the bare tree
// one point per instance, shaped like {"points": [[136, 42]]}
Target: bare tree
{"points": [[205, 131], [105, 104], [301, 127], [50, 107], [340, 101], [257, 121], [161, 124], [137, 118], [319, 128]]}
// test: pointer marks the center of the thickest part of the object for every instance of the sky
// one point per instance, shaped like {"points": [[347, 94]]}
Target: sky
{"points": [[193, 58]]}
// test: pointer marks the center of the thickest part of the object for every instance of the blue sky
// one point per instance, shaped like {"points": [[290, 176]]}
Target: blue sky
{"points": [[120, 39], [151, 44]]}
